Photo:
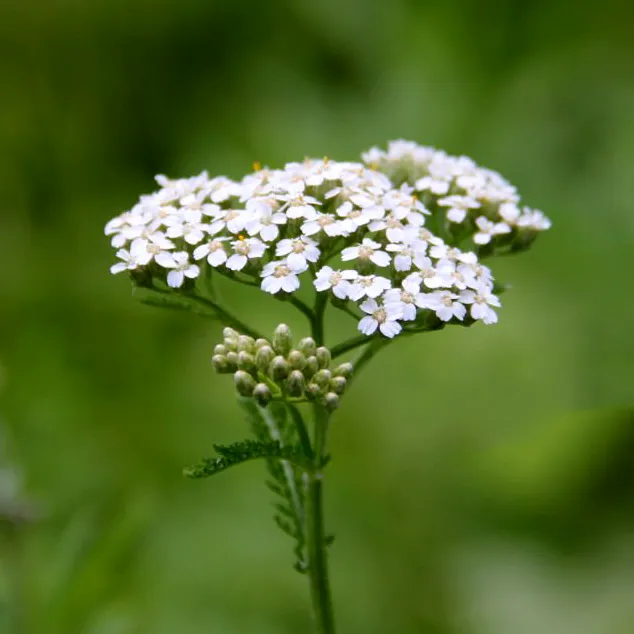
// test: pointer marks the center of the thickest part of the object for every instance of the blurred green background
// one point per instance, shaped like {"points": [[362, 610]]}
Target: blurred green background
{"points": [[483, 479]]}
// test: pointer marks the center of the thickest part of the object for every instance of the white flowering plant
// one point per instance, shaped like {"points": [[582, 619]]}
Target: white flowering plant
{"points": [[397, 242]]}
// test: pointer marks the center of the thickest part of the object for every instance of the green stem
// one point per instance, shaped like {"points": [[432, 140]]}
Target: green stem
{"points": [[315, 532], [321, 302], [349, 344]]}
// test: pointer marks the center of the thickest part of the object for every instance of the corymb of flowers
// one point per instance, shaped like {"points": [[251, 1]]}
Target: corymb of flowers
{"points": [[397, 240]]}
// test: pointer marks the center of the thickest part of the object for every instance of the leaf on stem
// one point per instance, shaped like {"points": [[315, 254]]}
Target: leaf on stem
{"points": [[239, 452]]}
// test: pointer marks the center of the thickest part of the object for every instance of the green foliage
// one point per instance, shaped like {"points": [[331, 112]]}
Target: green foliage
{"points": [[239, 452]]}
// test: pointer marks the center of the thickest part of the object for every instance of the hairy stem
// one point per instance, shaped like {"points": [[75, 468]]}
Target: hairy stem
{"points": [[315, 531]]}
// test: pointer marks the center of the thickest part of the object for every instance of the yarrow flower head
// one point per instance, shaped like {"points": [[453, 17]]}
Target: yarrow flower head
{"points": [[396, 240]]}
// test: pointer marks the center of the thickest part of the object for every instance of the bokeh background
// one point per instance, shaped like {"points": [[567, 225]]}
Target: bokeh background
{"points": [[483, 479]]}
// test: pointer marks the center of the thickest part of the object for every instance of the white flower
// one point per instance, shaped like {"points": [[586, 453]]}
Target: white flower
{"points": [[127, 264], [300, 252], [197, 202], [187, 225], [443, 303], [234, 220], [214, 251], [382, 317], [338, 281], [408, 254], [445, 252], [353, 218], [367, 286], [458, 275], [402, 301], [429, 275], [398, 226], [144, 250], [263, 220], [458, 206], [322, 222], [181, 266], [489, 229], [481, 301], [278, 276], [245, 250], [534, 219], [368, 250], [437, 186], [299, 206], [509, 212]]}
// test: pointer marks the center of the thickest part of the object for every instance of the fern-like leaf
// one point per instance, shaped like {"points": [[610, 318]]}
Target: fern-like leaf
{"points": [[239, 452]]}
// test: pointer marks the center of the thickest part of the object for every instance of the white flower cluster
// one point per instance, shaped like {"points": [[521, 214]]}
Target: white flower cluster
{"points": [[473, 200], [359, 232]]}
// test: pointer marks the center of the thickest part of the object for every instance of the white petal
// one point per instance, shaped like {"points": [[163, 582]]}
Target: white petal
{"points": [[368, 325], [175, 279], [380, 258], [390, 328], [236, 262]]}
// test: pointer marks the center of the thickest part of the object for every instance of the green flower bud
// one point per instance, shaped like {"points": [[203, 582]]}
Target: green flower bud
{"points": [[220, 349], [246, 362], [282, 339], [231, 344], [263, 358], [278, 369], [245, 343], [338, 384], [232, 358], [344, 370], [307, 346], [295, 383], [311, 367], [230, 333], [220, 364], [260, 343], [331, 401], [323, 357], [262, 394], [244, 383], [313, 391], [296, 360], [322, 378]]}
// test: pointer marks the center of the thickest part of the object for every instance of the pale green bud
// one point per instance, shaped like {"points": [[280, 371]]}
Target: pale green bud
{"points": [[295, 383], [244, 383], [323, 357], [245, 343], [345, 370], [311, 367], [232, 358], [282, 339], [246, 362], [220, 349], [263, 358], [231, 344], [278, 369], [322, 378], [313, 390], [230, 333], [262, 394], [338, 384], [220, 364], [307, 346], [260, 343], [331, 401], [296, 360]]}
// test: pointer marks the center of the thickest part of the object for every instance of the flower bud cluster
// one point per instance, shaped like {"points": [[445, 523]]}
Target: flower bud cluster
{"points": [[266, 370], [404, 233]]}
